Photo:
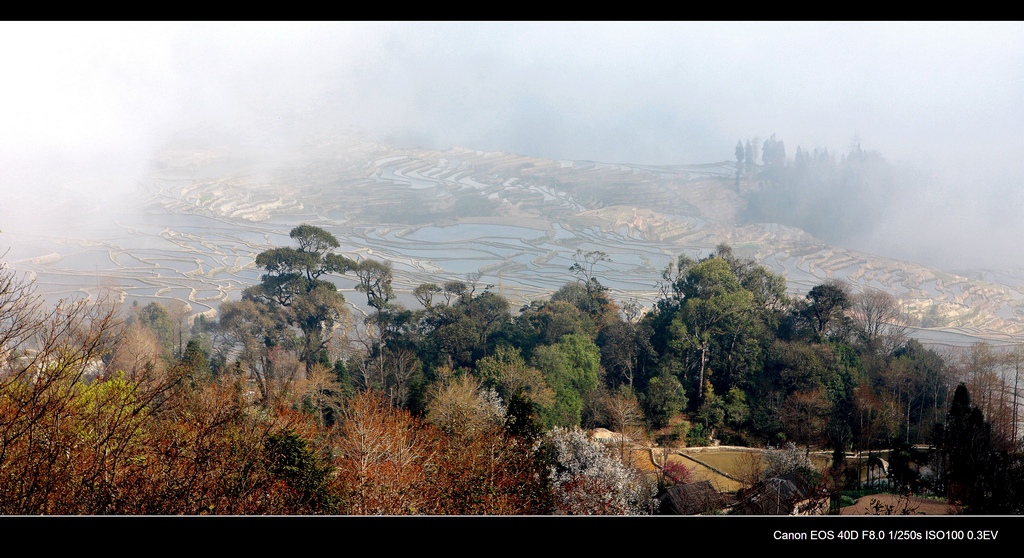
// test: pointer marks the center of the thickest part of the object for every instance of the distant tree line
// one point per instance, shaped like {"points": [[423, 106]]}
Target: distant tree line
{"points": [[834, 197]]}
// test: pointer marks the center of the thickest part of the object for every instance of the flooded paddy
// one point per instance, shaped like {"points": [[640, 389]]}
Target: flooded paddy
{"points": [[472, 232]]}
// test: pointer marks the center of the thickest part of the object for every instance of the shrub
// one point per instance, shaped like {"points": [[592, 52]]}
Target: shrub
{"points": [[697, 437], [675, 473]]}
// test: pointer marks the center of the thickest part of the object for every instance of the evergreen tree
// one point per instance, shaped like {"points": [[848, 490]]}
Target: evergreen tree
{"points": [[966, 451]]}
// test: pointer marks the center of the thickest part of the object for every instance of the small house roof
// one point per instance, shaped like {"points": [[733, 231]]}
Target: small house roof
{"points": [[692, 498]]}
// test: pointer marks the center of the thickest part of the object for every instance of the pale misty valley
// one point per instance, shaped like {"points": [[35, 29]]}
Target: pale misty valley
{"points": [[552, 268]]}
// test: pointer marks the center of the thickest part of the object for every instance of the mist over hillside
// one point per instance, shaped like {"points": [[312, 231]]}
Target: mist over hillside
{"points": [[612, 136], [195, 220]]}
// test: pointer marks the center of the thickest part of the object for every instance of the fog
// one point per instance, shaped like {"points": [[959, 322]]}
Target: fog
{"points": [[86, 104]]}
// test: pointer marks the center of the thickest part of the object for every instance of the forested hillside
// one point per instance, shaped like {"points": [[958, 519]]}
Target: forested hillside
{"points": [[461, 403]]}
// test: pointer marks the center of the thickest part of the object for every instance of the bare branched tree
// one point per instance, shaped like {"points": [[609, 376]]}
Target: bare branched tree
{"points": [[384, 453], [321, 392], [47, 354], [626, 418], [881, 318], [460, 406]]}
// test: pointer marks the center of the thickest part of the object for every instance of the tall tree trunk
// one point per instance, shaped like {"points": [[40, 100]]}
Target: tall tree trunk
{"points": [[1016, 379], [703, 360]]}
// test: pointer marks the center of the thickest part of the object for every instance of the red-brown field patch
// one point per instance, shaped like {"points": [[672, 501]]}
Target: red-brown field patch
{"points": [[893, 504]]}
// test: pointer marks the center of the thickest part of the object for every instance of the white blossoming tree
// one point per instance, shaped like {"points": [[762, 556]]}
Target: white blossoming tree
{"points": [[587, 479], [780, 461]]}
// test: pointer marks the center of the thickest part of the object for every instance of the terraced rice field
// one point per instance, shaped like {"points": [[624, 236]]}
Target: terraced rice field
{"points": [[197, 223]]}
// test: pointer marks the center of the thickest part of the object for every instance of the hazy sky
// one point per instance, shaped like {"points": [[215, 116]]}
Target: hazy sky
{"points": [[93, 100]]}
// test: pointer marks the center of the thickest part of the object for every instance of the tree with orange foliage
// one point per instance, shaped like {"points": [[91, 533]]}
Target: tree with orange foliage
{"points": [[384, 455], [481, 468], [489, 472]]}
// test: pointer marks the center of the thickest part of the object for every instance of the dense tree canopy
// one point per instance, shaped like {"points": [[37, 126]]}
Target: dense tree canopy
{"points": [[461, 405]]}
